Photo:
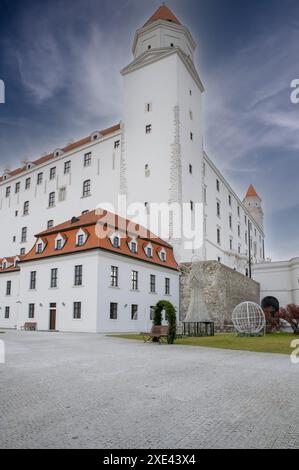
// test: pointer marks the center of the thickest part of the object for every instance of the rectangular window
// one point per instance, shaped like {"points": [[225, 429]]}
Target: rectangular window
{"points": [[67, 167], [31, 309], [238, 211], [32, 284], [218, 185], [52, 199], [239, 231], [80, 240], [27, 183], [113, 311], [114, 276], [116, 144], [153, 284], [39, 248], [191, 206], [230, 222], [17, 188], [190, 169], [230, 244], [26, 208], [39, 178], [54, 277], [8, 288], [134, 280], [191, 135], [52, 173], [77, 310], [134, 312], [7, 194], [24, 235], [230, 200], [78, 275], [50, 223], [167, 286], [86, 188], [218, 209], [87, 159], [148, 129], [6, 315]]}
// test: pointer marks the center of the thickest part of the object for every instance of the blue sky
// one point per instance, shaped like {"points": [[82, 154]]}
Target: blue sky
{"points": [[60, 61]]}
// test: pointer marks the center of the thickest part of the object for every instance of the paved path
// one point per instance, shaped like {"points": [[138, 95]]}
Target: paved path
{"points": [[90, 391]]}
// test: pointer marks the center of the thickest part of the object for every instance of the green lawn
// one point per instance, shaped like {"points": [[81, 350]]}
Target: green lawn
{"points": [[279, 343]]}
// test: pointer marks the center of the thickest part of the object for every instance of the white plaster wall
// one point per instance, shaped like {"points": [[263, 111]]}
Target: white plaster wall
{"points": [[104, 187], [223, 251], [66, 293], [9, 300], [280, 280], [125, 297]]}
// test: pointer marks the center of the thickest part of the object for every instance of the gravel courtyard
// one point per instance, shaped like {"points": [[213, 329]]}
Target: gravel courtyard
{"points": [[91, 391]]}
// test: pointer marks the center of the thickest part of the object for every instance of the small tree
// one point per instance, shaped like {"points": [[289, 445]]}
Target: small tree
{"points": [[170, 317], [291, 316]]}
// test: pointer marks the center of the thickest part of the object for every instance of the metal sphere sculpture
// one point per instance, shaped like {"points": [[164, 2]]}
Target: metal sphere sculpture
{"points": [[249, 318]]}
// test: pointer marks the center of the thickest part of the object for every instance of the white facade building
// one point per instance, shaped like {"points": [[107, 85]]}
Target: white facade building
{"points": [[280, 280], [155, 155], [71, 280]]}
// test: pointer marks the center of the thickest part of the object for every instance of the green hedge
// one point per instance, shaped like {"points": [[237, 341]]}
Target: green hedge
{"points": [[170, 317]]}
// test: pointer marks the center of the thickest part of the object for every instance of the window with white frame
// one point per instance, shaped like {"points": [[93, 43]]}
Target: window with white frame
{"points": [[26, 208], [87, 159], [86, 188], [67, 167], [77, 310], [52, 199]]}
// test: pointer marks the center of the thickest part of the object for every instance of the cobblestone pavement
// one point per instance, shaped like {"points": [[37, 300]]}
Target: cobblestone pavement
{"points": [[91, 391]]}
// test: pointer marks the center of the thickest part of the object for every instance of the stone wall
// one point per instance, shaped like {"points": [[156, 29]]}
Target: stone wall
{"points": [[224, 290]]}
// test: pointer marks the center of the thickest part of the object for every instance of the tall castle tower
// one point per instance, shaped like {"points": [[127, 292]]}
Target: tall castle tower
{"points": [[162, 142], [253, 203]]}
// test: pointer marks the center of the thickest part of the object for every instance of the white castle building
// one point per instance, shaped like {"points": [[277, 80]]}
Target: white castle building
{"points": [[155, 154]]}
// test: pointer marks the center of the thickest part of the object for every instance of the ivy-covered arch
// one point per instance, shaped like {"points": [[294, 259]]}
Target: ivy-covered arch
{"points": [[170, 317]]}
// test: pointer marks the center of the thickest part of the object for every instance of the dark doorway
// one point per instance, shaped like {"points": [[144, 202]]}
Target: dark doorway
{"points": [[52, 317]]}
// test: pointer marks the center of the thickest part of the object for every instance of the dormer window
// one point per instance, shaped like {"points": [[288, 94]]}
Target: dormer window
{"points": [[40, 246], [58, 152], [59, 242], [162, 255], [81, 238], [116, 241], [149, 251], [133, 246], [4, 265]]}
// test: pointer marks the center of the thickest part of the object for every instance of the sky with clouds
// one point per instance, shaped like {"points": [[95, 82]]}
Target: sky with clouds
{"points": [[60, 60]]}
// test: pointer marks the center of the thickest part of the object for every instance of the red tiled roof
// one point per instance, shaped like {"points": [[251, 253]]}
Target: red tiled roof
{"points": [[163, 13], [251, 192], [10, 260], [109, 223], [68, 148]]}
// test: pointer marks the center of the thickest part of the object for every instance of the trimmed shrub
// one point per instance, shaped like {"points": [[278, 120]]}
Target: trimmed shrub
{"points": [[170, 317]]}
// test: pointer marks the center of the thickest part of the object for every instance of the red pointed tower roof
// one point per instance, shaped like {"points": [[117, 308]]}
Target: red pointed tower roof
{"points": [[251, 192], [163, 13]]}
